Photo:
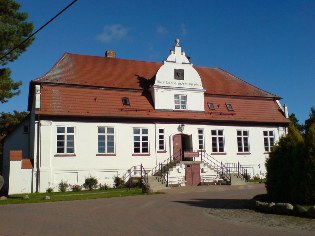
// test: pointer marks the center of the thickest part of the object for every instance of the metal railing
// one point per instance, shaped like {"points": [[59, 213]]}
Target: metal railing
{"points": [[136, 171], [162, 168]]}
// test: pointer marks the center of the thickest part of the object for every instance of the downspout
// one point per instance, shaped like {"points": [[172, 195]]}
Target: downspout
{"points": [[38, 155], [156, 161]]}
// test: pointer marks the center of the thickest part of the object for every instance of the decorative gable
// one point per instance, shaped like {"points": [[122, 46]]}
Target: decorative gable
{"points": [[177, 84]]}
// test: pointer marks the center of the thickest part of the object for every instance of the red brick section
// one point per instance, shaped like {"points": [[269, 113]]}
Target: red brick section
{"points": [[85, 101], [26, 164], [122, 73], [15, 155]]}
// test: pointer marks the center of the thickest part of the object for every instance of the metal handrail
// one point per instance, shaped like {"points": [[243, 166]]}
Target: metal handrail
{"points": [[216, 165]]}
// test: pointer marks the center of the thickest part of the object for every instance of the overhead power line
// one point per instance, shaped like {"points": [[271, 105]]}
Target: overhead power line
{"points": [[47, 23]]}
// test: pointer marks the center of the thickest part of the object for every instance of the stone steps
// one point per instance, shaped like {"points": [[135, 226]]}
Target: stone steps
{"points": [[156, 183]]}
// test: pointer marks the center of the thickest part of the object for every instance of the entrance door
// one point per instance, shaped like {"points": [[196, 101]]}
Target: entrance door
{"points": [[177, 147], [192, 174]]}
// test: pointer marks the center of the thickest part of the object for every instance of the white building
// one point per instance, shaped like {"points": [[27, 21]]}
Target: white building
{"points": [[101, 116]]}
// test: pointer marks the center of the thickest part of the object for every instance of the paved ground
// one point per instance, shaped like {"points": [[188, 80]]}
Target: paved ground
{"points": [[183, 211]]}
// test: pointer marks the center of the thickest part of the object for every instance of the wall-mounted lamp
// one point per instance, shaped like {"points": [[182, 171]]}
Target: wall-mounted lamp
{"points": [[181, 128]]}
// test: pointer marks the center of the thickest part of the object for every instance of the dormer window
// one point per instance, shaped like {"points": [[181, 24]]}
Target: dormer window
{"points": [[180, 102], [229, 107], [179, 74], [125, 101], [211, 106]]}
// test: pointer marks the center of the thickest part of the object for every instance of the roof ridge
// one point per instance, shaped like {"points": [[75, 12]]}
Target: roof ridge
{"points": [[226, 72], [114, 58]]}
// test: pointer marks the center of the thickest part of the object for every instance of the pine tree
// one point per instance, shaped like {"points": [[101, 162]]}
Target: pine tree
{"points": [[13, 30]]}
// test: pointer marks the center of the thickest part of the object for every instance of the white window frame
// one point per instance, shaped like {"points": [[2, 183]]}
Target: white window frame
{"points": [[143, 139], [201, 139], [161, 140], [269, 140], [243, 141], [218, 140], [66, 139], [106, 136], [180, 101]]}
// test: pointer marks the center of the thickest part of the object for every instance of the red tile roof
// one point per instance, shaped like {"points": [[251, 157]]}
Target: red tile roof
{"points": [[95, 102], [91, 86], [121, 73]]}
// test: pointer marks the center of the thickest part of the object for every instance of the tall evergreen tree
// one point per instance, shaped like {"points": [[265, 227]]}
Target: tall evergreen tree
{"points": [[13, 30], [310, 121]]}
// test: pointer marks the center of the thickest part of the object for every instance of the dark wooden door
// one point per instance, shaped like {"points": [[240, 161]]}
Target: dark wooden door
{"points": [[192, 174], [177, 147]]}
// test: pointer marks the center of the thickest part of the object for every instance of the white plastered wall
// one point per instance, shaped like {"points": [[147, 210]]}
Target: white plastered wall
{"points": [[75, 169]]}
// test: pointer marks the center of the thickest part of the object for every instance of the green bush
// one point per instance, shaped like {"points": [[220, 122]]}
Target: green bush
{"points": [[103, 187], [76, 188], [291, 167], [119, 182], [63, 186], [90, 183], [49, 190]]}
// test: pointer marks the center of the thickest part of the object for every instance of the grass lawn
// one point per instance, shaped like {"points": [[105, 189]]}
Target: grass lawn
{"points": [[70, 196]]}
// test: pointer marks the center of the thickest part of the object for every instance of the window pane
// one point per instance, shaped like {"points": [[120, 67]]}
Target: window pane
{"points": [[220, 132], [70, 130], [60, 129], [136, 138], [265, 133], [213, 132], [144, 131], [245, 133], [239, 133], [200, 131], [110, 149], [70, 137], [101, 138], [145, 144], [176, 96], [270, 133], [137, 144], [161, 131], [136, 150], [101, 149], [110, 138], [101, 130], [136, 131], [60, 150], [110, 130], [60, 137], [145, 150], [60, 144], [70, 150]]}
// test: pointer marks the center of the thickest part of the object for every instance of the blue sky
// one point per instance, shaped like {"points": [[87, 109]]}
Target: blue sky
{"points": [[270, 44]]}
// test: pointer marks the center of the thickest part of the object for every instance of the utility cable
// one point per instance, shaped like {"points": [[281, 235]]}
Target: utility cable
{"points": [[29, 37]]}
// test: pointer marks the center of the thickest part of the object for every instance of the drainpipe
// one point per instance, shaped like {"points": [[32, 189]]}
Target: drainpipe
{"points": [[38, 155]]}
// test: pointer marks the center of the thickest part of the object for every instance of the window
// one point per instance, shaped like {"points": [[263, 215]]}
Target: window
{"points": [[180, 102], [269, 140], [242, 141], [229, 107], [65, 139], [125, 101], [106, 140], [201, 139], [140, 140], [217, 140], [161, 140], [211, 106], [179, 74]]}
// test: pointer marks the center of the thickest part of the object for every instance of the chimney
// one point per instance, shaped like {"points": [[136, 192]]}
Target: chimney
{"points": [[286, 111], [110, 54]]}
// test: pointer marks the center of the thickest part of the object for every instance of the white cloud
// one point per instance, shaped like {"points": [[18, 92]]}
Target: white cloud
{"points": [[183, 29], [161, 30], [113, 32]]}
